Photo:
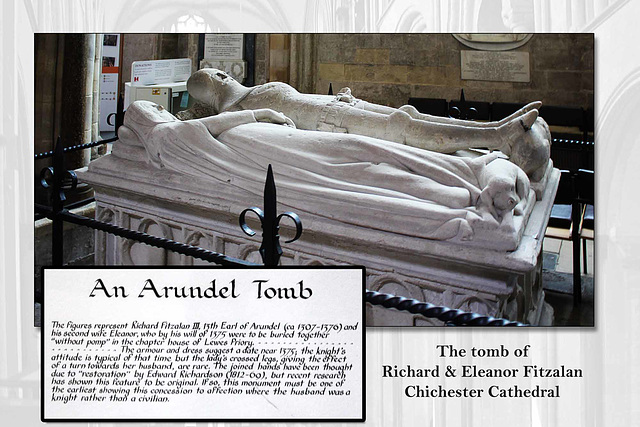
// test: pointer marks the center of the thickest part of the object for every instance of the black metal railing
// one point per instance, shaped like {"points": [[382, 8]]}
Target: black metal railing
{"points": [[450, 316], [58, 179], [148, 239]]}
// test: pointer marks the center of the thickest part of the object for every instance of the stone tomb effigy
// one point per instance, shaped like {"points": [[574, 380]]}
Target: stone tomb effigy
{"points": [[464, 230]]}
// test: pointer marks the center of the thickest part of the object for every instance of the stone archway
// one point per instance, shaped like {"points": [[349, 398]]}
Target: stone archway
{"points": [[211, 16], [617, 147]]}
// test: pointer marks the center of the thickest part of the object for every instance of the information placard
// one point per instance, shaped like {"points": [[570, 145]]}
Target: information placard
{"points": [[203, 344], [495, 66], [160, 71]]}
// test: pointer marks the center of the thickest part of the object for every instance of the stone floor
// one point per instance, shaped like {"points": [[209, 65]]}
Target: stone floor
{"points": [[558, 283]]}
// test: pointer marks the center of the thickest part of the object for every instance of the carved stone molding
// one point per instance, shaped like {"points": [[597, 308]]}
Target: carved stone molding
{"points": [[153, 255]]}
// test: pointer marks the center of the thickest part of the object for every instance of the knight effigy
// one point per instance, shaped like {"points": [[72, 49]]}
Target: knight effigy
{"points": [[523, 136]]}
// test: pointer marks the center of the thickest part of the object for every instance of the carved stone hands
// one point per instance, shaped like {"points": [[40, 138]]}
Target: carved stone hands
{"points": [[505, 188], [344, 95], [267, 115]]}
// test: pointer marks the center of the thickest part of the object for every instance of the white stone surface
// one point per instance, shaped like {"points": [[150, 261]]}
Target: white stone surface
{"points": [[491, 282], [199, 207], [522, 136], [352, 179]]}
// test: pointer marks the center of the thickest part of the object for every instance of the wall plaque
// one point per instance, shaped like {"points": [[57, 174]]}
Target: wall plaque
{"points": [[223, 46], [495, 66]]}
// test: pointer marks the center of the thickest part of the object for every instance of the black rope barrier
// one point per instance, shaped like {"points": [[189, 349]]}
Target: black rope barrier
{"points": [[448, 315], [46, 154], [70, 206], [148, 239], [572, 141]]}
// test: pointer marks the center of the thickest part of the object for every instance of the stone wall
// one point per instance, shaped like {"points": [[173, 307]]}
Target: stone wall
{"points": [[136, 47], [391, 68], [147, 47]]}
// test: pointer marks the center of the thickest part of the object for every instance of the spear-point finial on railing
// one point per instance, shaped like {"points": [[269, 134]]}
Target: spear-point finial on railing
{"points": [[270, 250], [462, 112], [330, 89]]}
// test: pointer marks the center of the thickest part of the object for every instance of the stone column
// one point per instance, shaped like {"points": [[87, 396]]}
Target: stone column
{"points": [[279, 53], [518, 15], [302, 67], [136, 47], [77, 103], [77, 96], [436, 16], [188, 48], [470, 15], [600, 6], [261, 70], [95, 103], [578, 15], [455, 17], [47, 78], [167, 46], [589, 11]]}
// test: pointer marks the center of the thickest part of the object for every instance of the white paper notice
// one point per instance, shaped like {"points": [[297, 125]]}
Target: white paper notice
{"points": [[160, 71], [203, 343]]}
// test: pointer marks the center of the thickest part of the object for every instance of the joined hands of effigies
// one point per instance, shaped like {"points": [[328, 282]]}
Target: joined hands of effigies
{"points": [[267, 115]]}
